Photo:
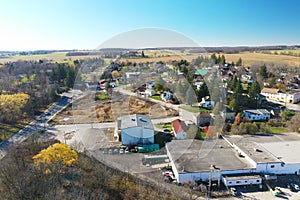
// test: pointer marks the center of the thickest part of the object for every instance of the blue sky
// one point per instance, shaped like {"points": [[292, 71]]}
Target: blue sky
{"points": [[74, 24]]}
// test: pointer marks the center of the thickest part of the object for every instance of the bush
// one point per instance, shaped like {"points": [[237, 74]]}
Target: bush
{"points": [[274, 123], [244, 128]]}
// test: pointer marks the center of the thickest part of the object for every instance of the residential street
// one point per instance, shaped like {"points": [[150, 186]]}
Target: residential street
{"points": [[39, 124]]}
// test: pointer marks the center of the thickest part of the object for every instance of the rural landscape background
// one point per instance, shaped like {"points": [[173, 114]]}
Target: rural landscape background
{"points": [[71, 71]]}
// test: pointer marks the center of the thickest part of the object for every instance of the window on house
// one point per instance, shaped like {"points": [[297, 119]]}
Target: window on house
{"points": [[272, 166], [246, 181], [229, 182], [257, 181], [238, 182]]}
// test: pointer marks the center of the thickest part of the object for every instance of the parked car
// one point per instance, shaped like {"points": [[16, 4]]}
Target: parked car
{"points": [[126, 150], [121, 151], [110, 151], [233, 191], [104, 151], [294, 187], [167, 172]]}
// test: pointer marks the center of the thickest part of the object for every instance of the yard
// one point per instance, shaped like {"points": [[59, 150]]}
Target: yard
{"points": [[156, 97], [277, 130], [165, 126], [194, 109], [100, 96]]}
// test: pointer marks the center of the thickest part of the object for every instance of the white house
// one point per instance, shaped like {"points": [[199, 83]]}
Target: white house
{"points": [[135, 129], [166, 96], [227, 114], [149, 92], [179, 128], [276, 95], [206, 103], [132, 75], [257, 114]]}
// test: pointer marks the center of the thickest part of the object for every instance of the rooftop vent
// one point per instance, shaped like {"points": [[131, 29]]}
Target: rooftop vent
{"points": [[143, 120], [257, 150]]}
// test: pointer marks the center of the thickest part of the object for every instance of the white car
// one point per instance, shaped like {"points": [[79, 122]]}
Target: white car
{"points": [[121, 151], [167, 172]]}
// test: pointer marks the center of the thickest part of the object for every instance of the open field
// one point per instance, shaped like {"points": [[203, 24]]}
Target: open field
{"points": [[56, 57], [250, 58]]}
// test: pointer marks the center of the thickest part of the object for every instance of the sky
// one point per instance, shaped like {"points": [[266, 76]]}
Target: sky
{"points": [[86, 24]]}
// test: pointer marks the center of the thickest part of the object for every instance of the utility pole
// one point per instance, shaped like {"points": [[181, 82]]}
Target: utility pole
{"points": [[209, 183]]}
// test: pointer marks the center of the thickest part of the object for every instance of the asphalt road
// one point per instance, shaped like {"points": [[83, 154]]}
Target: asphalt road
{"points": [[39, 124]]}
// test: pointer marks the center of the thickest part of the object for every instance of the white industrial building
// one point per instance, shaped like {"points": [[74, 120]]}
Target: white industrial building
{"points": [[234, 180], [135, 129], [234, 160], [198, 160]]}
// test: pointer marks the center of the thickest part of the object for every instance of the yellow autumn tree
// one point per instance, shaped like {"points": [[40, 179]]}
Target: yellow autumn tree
{"points": [[56, 153], [11, 106]]}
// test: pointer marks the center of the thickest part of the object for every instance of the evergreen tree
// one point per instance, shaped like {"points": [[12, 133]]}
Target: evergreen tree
{"points": [[222, 60], [236, 97], [239, 62], [263, 71], [159, 84], [70, 79], [216, 109], [214, 58], [232, 83], [254, 92], [190, 96], [203, 92]]}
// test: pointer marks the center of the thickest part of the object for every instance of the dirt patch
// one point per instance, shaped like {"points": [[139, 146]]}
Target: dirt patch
{"points": [[87, 110]]}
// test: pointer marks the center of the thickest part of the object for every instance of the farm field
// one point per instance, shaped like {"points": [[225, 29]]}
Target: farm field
{"points": [[250, 58], [56, 57]]}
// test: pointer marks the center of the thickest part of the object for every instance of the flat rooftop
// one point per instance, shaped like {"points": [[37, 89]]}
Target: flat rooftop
{"points": [[238, 177], [199, 155], [257, 152], [288, 151], [283, 147], [263, 138], [134, 120]]}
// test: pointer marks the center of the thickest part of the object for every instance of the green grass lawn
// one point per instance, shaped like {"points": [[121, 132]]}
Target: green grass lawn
{"points": [[156, 97], [194, 109], [165, 126], [245, 86], [101, 96], [277, 130]]}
